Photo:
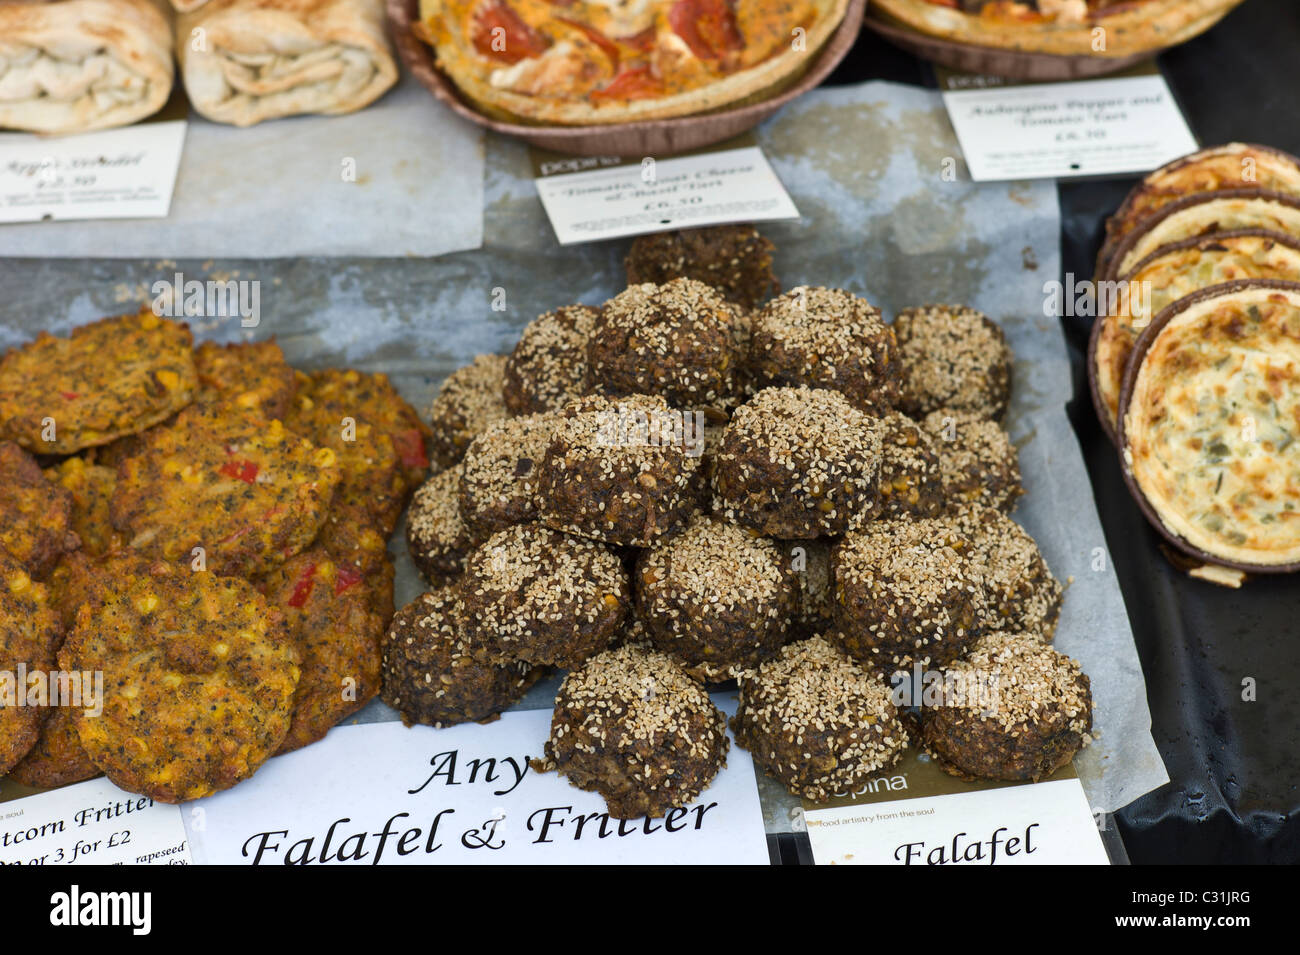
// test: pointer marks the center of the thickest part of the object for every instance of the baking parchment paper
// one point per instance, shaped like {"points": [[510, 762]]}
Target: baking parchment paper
{"points": [[413, 186], [887, 213]]}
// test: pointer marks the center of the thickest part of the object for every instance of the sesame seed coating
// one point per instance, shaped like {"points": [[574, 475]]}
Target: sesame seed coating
{"points": [[817, 721], [439, 541], [548, 367], [1037, 715], [811, 560], [535, 594], [634, 727], [903, 592], [615, 472], [676, 340], [469, 400], [1017, 590], [827, 338], [953, 357], [716, 596], [734, 259], [979, 463], [796, 463], [911, 480], [436, 674], [498, 482]]}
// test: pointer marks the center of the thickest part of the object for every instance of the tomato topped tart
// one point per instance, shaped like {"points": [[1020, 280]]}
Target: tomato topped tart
{"points": [[1064, 27], [575, 62]]}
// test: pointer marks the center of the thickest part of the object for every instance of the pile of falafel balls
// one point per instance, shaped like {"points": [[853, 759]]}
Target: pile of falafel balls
{"points": [[695, 483]]}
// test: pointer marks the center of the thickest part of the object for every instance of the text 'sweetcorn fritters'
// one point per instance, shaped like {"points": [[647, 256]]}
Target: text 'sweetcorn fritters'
{"points": [[108, 379], [199, 679], [29, 637], [247, 491], [36, 526]]}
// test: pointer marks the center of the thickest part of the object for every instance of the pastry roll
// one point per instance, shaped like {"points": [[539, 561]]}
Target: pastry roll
{"points": [[67, 66], [244, 61]]}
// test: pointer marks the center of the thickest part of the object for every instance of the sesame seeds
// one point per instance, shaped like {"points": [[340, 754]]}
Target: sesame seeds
{"points": [[796, 463], [548, 366], [827, 338], [469, 400], [817, 721], [953, 357], [500, 468], [978, 462], [675, 340], [435, 534], [631, 725]]}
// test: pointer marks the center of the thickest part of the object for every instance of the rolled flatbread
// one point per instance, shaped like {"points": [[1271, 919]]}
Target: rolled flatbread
{"points": [[244, 61], [68, 66]]}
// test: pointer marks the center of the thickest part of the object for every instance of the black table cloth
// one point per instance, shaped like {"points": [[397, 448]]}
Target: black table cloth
{"points": [[1234, 790]]}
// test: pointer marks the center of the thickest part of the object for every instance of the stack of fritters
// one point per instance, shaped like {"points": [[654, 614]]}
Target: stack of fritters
{"points": [[211, 527]]}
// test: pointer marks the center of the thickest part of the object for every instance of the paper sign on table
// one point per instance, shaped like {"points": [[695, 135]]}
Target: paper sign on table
{"points": [[916, 814], [1112, 126], [91, 823], [606, 198], [383, 793], [124, 173]]}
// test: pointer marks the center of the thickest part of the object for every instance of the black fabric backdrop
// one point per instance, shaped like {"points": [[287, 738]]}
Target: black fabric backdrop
{"points": [[1234, 794]]}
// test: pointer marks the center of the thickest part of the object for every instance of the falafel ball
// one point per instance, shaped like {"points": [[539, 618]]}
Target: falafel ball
{"points": [[1015, 709], [434, 673], [911, 479], [978, 462], [624, 471], [547, 598], [734, 259], [436, 536], [548, 367], [1016, 590], [953, 357], [677, 340], [903, 593], [817, 721], [469, 400], [826, 338], [797, 463], [716, 596], [498, 482], [632, 726]]}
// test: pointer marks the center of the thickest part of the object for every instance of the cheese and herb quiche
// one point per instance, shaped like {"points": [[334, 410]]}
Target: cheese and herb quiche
{"points": [[1211, 419], [574, 62], [1168, 275], [1231, 166], [1204, 214], [1111, 28]]}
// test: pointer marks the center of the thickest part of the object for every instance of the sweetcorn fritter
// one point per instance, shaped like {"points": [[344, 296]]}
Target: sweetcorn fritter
{"points": [[29, 636], [114, 377], [199, 681], [246, 490], [35, 515]]}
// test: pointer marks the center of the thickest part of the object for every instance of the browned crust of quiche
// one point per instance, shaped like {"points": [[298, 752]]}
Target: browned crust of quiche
{"points": [[1139, 28]]}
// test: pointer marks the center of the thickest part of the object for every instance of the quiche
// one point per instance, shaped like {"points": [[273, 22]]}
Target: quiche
{"points": [[1169, 274], [1211, 413], [1108, 28], [579, 62], [1231, 166], [1207, 213]]}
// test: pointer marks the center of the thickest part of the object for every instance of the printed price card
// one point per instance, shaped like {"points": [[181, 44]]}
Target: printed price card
{"points": [[383, 793], [90, 823], [1112, 126], [916, 814], [591, 198], [124, 173]]}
